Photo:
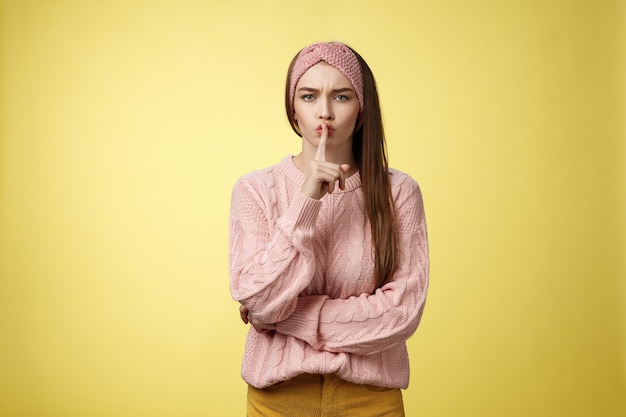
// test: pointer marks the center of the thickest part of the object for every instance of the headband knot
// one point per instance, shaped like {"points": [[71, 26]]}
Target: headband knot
{"points": [[333, 53]]}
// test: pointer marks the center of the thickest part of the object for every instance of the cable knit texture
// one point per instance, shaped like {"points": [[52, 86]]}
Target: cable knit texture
{"points": [[307, 266]]}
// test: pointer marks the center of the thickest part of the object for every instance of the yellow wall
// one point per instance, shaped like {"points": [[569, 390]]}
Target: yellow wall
{"points": [[124, 125]]}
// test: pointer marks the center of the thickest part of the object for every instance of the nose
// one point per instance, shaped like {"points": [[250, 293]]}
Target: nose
{"points": [[325, 110]]}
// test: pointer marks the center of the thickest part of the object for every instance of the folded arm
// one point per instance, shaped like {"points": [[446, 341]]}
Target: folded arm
{"points": [[371, 323], [271, 257]]}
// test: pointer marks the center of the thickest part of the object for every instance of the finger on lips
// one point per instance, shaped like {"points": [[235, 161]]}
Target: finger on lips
{"points": [[327, 173], [320, 155]]}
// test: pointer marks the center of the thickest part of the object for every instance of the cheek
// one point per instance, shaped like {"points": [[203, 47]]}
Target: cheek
{"points": [[354, 116]]}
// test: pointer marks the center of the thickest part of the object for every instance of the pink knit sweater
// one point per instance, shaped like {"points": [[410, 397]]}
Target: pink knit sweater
{"points": [[307, 266]]}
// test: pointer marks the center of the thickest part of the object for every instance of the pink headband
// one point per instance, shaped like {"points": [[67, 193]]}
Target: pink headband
{"points": [[336, 54]]}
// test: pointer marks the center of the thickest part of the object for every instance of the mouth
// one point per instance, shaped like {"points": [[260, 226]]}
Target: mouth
{"points": [[329, 128]]}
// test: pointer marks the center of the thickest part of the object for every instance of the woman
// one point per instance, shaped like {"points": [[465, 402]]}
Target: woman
{"points": [[328, 253]]}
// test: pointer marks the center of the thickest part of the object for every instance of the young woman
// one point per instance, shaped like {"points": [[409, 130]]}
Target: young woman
{"points": [[328, 253]]}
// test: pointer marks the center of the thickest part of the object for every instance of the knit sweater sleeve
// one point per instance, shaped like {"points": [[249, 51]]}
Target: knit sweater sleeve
{"points": [[371, 323], [271, 258]]}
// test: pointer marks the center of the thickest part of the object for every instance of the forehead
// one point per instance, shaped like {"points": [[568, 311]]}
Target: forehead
{"points": [[323, 74]]}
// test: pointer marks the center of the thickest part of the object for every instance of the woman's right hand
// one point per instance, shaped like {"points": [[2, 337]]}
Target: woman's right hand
{"points": [[323, 175]]}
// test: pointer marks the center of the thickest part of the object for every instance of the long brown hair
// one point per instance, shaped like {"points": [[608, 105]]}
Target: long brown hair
{"points": [[369, 149]]}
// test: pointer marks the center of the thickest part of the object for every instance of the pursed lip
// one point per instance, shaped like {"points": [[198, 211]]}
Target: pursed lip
{"points": [[330, 130]]}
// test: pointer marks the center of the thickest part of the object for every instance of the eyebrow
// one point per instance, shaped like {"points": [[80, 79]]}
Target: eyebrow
{"points": [[335, 91]]}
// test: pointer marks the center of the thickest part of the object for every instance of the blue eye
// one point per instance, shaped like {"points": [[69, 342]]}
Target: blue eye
{"points": [[341, 97], [307, 97]]}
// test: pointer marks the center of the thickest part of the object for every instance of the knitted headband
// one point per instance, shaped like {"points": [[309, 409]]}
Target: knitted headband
{"points": [[336, 54]]}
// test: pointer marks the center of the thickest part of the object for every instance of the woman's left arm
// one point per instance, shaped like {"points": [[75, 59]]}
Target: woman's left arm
{"points": [[371, 323]]}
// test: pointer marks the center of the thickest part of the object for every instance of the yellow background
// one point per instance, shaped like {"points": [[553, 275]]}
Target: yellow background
{"points": [[124, 125]]}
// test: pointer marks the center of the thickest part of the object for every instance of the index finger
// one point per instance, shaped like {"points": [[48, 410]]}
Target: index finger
{"points": [[320, 154]]}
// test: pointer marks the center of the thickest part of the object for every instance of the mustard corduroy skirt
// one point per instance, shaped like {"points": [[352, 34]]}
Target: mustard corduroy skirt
{"points": [[310, 395]]}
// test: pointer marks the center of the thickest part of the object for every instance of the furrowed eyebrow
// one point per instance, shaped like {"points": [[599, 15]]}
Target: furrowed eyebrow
{"points": [[335, 91], [343, 90]]}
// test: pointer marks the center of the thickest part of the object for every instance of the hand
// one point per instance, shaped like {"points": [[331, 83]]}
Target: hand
{"points": [[323, 175], [258, 325], [243, 313]]}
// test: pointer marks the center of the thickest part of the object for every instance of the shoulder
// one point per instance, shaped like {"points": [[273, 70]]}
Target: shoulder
{"points": [[408, 200], [256, 178], [263, 177], [402, 183], [251, 192]]}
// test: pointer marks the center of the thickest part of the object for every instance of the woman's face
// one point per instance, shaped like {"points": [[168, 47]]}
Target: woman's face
{"points": [[325, 95]]}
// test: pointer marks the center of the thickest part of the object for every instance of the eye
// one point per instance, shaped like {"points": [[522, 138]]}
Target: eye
{"points": [[342, 97], [307, 97]]}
